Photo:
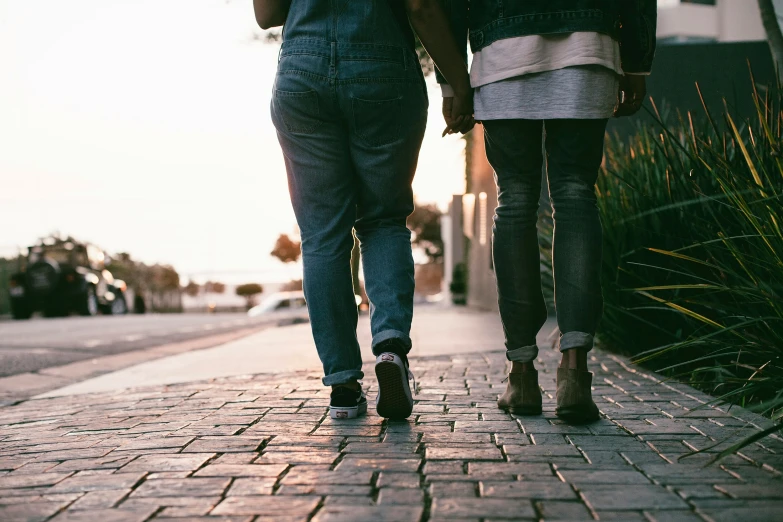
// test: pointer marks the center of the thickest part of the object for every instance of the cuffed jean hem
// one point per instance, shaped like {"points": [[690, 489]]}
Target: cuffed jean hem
{"points": [[343, 377], [574, 340], [525, 354], [391, 334]]}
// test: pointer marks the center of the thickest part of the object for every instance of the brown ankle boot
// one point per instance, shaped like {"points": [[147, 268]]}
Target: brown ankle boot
{"points": [[523, 396], [574, 399]]}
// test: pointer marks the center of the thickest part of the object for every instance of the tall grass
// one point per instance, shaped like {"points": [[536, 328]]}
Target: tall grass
{"points": [[693, 271]]}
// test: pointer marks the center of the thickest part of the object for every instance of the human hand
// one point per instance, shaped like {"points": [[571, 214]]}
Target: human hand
{"points": [[458, 113], [633, 89]]}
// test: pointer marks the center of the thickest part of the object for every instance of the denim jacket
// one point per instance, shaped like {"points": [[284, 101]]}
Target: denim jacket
{"points": [[631, 22]]}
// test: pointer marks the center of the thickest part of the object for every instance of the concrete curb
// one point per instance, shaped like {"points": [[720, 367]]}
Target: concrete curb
{"points": [[25, 385]]}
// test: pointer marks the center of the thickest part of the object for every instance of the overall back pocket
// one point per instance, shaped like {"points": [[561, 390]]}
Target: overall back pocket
{"points": [[377, 122], [298, 111]]}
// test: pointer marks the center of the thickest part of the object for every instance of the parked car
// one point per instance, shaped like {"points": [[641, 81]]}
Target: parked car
{"points": [[62, 276], [281, 306]]}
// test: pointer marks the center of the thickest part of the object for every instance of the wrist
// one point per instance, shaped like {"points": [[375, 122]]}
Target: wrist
{"points": [[462, 91], [462, 87]]}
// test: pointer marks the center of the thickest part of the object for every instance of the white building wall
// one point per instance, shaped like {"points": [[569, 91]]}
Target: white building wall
{"points": [[688, 21], [739, 21], [727, 21]]}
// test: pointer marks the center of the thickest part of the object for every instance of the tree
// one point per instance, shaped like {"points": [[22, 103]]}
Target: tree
{"points": [[774, 35], [164, 277], [249, 291], [425, 226], [286, 249], [192, 289], [125, 268], [295, 285], [214, 287]]}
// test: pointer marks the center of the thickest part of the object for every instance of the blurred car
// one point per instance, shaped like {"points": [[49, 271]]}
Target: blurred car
{"points": [[62, 276], [281, 306]]}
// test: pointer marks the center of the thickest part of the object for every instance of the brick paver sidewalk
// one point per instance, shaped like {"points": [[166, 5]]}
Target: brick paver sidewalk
{"points": [[263, 448]]}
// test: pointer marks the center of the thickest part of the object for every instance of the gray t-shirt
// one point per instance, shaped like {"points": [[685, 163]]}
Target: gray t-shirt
{"points": [[579, 92]]}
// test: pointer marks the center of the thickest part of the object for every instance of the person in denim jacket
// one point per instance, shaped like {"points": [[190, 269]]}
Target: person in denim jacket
{"points": [[554, 70], [350, 108]]}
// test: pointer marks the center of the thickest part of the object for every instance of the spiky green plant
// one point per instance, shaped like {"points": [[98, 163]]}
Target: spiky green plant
{"points": [[693, 272]]}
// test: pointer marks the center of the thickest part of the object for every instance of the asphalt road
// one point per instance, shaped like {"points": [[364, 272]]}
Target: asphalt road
{"points": [[28, 346]]}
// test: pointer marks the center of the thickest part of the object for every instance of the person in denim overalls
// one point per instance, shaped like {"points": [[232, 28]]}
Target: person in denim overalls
{"points": [[350, 109]]}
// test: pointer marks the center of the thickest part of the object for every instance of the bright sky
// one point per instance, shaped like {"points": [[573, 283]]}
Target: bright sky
{"points": [[144, 127]]}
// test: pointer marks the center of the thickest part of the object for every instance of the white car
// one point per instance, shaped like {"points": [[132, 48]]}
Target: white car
{"points": [[282, 306]]}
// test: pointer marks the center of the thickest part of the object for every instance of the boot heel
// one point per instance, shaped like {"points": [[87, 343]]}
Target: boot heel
{"points": [[522, 396]]}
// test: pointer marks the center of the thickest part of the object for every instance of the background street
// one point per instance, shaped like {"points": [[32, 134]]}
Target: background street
{"points": [[436, 330], [41, 355], [27, 346]]}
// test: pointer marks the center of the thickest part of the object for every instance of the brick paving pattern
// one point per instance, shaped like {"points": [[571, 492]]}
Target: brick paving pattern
{"points": [[262, 448]]}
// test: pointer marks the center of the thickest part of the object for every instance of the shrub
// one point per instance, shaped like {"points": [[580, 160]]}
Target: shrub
{"points": [[693, 252]]}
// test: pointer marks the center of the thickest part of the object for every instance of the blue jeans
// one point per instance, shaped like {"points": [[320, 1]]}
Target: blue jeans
{"points": [[350, 120], [574, 150]]}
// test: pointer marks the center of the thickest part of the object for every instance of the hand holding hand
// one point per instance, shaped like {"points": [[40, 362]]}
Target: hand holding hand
{"points": [[458, 113]]}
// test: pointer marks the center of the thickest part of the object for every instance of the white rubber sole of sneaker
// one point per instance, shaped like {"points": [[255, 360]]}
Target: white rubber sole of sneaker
{"points": [[347, 413], [394, 396]]}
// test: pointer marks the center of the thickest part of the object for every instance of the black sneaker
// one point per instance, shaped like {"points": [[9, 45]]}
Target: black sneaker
{"points": [[394, 400], [347, 403]]}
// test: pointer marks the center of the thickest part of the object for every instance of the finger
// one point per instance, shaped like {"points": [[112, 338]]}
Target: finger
{"points": [[459, 111], [448, 130], [462, 124], [448, 103], [450, 122], [628, 109], [621, 101], [637, 103], [622, 110], [467, 125], [457, 123], [451, 128], [639, 95]]}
